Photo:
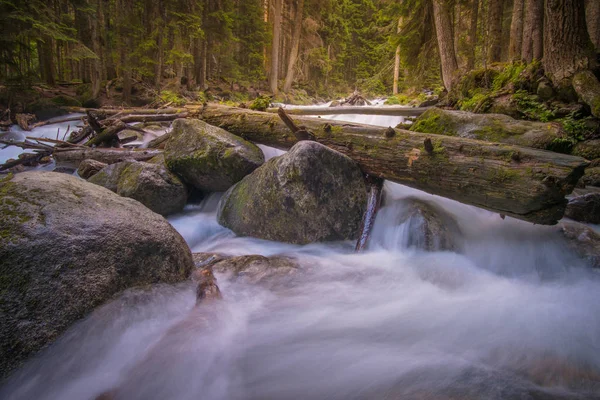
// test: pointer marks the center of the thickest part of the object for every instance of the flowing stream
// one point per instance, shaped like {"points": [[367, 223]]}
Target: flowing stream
{"points": [[510, 315]]}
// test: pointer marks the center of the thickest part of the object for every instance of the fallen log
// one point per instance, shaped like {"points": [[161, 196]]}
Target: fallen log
{"points": [[521, 182], [137, 111], [74, 156], [152, 118], [365, 110]]}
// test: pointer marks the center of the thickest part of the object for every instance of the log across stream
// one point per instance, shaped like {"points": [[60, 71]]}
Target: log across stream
{"points": [[525, 183]]}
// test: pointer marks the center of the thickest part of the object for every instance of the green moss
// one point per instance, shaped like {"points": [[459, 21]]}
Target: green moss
{"points": [[399, 99], [432, 121], [532, 107], [510, 74], [481, 101], [261, 103], [502, 175]]}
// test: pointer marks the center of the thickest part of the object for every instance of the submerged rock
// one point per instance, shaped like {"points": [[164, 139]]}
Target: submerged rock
{"points": [[489, 127], [67, 246], [209, 158], [152, 184], [310, 194], [419, 224], [584, 208], [583, 241]]}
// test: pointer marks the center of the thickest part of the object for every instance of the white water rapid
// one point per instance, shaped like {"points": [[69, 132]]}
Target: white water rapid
{"points": [[510, 315]]}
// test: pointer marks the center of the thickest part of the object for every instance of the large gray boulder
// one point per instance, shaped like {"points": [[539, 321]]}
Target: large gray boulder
{"points": [[209, 158], [310, 194], [587, 87], [152, 184], [489, 127], [67, 246]]}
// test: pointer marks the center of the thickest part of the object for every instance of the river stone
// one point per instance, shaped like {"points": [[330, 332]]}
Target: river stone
{"points": [[589, 149], [89, 168], [310, 194], [209, 158], [66, 247], [489, 127], [584, 208], [587, 87], [592, 176], [152, 184], [428, 227], [583, 241]]}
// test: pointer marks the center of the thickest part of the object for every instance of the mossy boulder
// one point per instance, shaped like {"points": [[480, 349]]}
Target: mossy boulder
{"points": [[152, 184], [488, 127], [66, 247], [424, 226], [587, 87], [209, 158], [592, 176], [589, 149], [310, 194], [584, 208]]}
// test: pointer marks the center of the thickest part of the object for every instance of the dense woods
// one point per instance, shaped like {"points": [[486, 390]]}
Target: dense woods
{"points": [[321, 46]]}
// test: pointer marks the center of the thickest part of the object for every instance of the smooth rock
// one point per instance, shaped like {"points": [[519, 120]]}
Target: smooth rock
{"points": [[66, 247], [587, 87], [150, 183], [310, 194], [584, 208], [209, 158], [89, 168], [583, 241]]}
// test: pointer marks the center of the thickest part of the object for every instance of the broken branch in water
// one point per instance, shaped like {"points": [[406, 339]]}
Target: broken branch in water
{"points": [[373, 204], [299, 132]]}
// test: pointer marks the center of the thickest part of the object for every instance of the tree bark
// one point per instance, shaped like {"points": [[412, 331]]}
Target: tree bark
{"points": [[473, 34], [74, 156], [533, 31], [289, 79], [525, 183], [274, 76], [592, 15], [516, 31], [397, 60], [567, 45], [445, 39], [495, 13]]}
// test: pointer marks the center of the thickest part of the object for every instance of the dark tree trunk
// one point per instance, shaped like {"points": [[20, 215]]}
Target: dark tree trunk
{"points": [[473, 34], [445, 38], [516, 31], [567, 46], [533, 31], [495, 13]]}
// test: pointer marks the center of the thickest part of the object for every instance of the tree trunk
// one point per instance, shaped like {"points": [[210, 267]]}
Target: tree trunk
{"points": [[495, 13], [516, 31], [445, 39], [397, 60], [592, 15], [526, 183], [533, 31], [289, 79], [567, 45], [473, 34], [277, 8]]}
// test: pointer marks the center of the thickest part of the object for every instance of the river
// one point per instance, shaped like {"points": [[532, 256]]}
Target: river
{"points": [[511, 315]]}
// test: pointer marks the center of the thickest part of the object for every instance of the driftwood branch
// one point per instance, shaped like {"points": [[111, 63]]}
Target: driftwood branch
{"points": [[373, 204], [473, 172], [299, 132]]}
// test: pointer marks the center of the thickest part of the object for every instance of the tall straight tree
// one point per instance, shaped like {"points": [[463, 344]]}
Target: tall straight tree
{"points": [[289, 78], [567, 46], [397, 61], [495, 14], [275, 46], [516, 31], [473, 34], [442, 14], [533, 31]]}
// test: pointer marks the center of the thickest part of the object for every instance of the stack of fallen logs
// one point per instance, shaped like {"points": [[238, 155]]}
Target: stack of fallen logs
{"points": [[96, 139]]}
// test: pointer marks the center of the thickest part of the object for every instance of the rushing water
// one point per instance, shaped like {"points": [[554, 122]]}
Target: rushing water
{"points": [[510, 315]]}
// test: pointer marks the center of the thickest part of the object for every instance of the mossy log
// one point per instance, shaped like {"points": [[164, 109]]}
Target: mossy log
{"points": [[365, 110], [521, 182]]}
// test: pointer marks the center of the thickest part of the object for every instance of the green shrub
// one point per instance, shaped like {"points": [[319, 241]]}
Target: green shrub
{"points": [[261, 103]]}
